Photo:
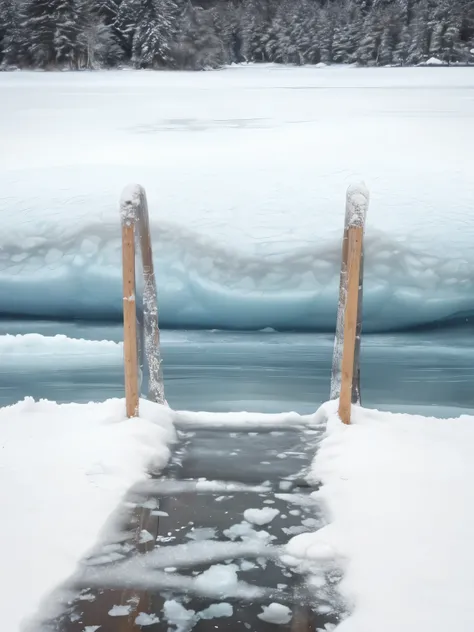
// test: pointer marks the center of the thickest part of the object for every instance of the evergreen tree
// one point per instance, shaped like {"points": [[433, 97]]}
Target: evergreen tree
{"points": [[199, 46], [202, 34], [256, 19], [70, 19], [11, 33], [155, 33], [39, 29]]}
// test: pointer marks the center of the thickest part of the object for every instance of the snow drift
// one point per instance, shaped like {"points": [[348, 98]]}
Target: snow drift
{"points": [[397, 492]]}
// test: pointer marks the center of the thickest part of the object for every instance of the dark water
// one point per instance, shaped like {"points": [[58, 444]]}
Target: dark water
{"points": [[191, 530], [429, 371]]}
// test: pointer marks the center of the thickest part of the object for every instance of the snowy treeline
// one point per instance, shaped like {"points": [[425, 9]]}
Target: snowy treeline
{"points": [[186, 34]]}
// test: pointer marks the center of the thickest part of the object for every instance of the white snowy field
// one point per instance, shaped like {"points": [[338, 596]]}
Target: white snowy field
{"points": [[246, 170], [397, 491]]}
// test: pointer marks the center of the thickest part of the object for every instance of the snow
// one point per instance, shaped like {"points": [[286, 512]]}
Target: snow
{"points": [[242, 419], [275, 613], [434, 61], [182, 556], [253, 240], [58, 349], [217, 610], [247, 533], [396, 490], [55, 521], [219, 576], [184, 619], [145, 536], [120, 611], [144, 619], [177, 615], [260, 516]]}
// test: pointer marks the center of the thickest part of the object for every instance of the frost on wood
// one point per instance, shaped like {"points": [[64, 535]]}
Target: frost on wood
{"points": [[130, 201], [134, 210], [357, 202]]}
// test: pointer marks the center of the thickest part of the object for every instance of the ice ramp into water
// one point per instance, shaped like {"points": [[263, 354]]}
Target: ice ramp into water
{"points": [[201, 546]]}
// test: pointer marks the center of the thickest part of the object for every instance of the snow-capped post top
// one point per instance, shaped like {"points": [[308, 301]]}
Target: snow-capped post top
{"points": [[130, 203], [357, 202]]}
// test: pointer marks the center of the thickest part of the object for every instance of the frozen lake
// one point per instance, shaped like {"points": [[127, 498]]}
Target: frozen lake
{"points": [[246, 171]]}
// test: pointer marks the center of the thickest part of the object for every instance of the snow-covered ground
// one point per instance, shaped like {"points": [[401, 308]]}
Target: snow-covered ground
{"points": [[246, 171], [63, 471], [398, 496]]}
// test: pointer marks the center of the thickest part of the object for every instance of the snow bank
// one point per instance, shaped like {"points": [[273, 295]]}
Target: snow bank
{"points": [[397, 490], [246, 238], [63, 470], [243, 420], [58, 350]]}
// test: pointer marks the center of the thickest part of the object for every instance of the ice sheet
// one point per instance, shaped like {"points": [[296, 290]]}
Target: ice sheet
{"points": [[246, 171]]}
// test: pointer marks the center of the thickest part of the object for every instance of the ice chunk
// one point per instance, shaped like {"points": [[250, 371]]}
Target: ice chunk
{"points": [[145, 536], [87, 597], [120, 611], [177, 615], [216, 610], [261, 516], [275, 613], [151, 503], [202, 533], [218, 578], [246, 532], [144, 619]]}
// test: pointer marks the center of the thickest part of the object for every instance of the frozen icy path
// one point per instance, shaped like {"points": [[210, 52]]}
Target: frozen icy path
{"points": [[199, 546]]}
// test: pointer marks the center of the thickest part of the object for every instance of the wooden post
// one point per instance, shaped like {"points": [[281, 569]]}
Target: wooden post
{"points": [[355, 238], [341, 307], [150, 305], [357, 200], [129, 320], [136, 234]]}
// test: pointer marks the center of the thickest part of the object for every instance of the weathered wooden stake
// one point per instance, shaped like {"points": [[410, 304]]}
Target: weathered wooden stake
{"points": [[129, 320], [136, 235], [357, 200], [355, 238]]}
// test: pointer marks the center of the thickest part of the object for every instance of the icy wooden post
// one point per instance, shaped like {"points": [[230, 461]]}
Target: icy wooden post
{"points": [[356, 208], [130, 355], [136, 230]]}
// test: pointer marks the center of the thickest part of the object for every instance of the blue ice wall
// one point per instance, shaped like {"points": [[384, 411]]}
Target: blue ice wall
{"points": [[206, 284]]}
